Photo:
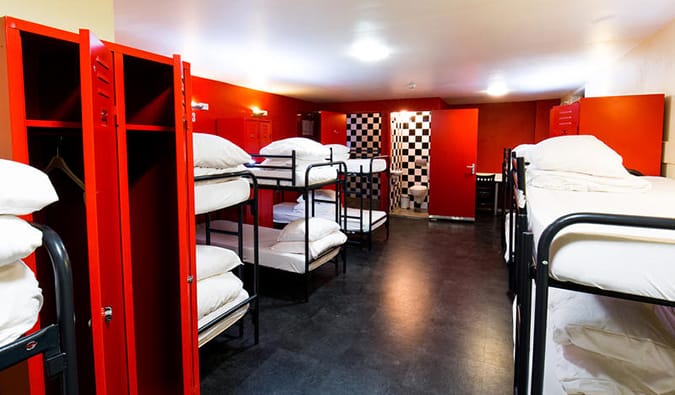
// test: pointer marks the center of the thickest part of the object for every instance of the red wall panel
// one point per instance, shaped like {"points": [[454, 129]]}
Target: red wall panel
{"points": [[231, 101], [631, 125]]}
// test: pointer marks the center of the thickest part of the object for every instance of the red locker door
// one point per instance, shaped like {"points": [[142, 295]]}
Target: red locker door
{"points": [[103, 217], [452, 164], [186, 226]]}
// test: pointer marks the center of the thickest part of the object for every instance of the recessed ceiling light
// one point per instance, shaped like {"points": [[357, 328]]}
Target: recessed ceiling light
{"points": [[497, 88], [369, 50]]}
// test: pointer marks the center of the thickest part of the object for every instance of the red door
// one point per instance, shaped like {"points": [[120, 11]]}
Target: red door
{"points": [[108, 318], [452, 164]]}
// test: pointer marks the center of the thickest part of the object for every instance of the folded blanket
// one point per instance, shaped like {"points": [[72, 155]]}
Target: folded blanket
{"points": [[315, 247], [570, 181], [21, 301]]}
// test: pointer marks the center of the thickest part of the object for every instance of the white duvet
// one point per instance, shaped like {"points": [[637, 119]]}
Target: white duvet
{"points": [[21, 299]]}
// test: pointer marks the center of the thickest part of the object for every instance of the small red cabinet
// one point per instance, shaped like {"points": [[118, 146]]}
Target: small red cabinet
{"points": [[250, 134]]}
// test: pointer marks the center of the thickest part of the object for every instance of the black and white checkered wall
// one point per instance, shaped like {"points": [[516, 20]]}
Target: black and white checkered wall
{"points": [[411, 136], [364, 135]]}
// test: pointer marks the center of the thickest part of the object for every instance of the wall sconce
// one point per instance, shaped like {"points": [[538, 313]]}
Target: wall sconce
{"points": [[200, 106], [257, 112]]}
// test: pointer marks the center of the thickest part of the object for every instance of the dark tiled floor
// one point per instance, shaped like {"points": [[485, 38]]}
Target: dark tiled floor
{"points": [[425, 312]]}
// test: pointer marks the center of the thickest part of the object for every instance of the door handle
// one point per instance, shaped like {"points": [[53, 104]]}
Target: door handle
{"points": [[473, 168]]}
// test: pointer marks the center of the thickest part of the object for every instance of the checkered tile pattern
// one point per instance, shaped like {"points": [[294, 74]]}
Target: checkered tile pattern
{"points": [[364, 136], [411, 135]]}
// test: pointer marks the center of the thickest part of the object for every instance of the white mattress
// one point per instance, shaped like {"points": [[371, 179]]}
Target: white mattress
{"points": [[266, 238], [631, 260], [216, 291], [363, 165], [285, 212], [226, 322], [212, 196], [18, 284], [317, 175]]}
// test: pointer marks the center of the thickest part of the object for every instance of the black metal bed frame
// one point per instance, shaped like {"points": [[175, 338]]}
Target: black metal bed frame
{"points": [[57, 340], [527, 267], [290, 184], [252, 299], [365, 194]]}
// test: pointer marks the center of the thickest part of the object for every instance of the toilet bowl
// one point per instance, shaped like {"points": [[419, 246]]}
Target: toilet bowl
{"points": [[419, 192]]}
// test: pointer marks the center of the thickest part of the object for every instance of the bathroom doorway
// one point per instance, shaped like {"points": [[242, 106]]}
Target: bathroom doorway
{"points": [[410, 148]]}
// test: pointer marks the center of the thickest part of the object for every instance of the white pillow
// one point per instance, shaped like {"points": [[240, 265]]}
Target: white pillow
{"points": [[214, 151], [318, 228], [340, 152], [525, 151], [578, 153], [21, 301], [322, 194], [305, 149], [23, 189], [18, 239], [212, 260], [621, 330]]}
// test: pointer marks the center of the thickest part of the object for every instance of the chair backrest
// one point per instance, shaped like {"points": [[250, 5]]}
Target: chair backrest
{"points": [[485, 178]]}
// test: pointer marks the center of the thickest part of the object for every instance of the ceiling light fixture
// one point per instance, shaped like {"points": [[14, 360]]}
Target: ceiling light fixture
{"points": [[369, 50], [497, 88], [412, 85]]}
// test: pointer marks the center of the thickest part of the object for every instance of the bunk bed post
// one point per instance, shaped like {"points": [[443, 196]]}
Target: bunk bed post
{"points": [[256, 304], [64, 307], [523, 311]]}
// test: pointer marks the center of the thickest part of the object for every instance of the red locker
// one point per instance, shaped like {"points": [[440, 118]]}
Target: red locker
{"points": [[116, 116]]}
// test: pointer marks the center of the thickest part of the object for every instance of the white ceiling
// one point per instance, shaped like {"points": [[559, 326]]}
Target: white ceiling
{"points": [[448, 48]]}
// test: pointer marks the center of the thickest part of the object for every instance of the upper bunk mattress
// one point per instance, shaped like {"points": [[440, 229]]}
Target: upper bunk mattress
{"points": [[267, 237], [625, 259], [364, 165], [212, 196], [283, 177]]}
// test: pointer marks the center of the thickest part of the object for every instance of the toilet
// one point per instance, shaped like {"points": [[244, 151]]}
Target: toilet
{"points": [[419, 192]]}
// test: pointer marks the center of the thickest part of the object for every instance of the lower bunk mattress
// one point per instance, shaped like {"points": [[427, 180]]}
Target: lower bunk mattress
{"points": [[267, 241], [357, 220], [602, 345]]}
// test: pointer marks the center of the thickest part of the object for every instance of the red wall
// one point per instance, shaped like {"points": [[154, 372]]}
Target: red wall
{"points": [[507, 125], [231, 101]]}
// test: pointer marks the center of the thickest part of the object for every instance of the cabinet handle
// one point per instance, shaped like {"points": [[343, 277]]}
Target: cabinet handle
{"points": [[107, 313]]}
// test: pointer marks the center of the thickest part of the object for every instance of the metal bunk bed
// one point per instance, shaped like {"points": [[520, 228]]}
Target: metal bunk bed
{"points": [[214, 327], [364, 168], [283, 176], [532, 265], [55, 341]]}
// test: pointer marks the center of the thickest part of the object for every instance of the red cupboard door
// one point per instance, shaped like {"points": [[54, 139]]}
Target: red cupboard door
{"points": [[103, 217], [452, 164], [186, 226]]}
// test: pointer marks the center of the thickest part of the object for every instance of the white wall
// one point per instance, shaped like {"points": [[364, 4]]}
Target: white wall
{"points": [[648, 68], [70, 15]]}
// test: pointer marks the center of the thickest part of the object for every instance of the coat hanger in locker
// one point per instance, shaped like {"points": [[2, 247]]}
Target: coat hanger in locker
{"points": [[57, 162]]}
